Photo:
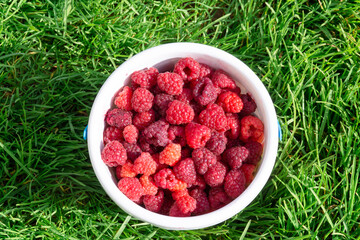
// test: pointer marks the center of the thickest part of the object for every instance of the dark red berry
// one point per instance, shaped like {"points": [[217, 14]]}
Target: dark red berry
{"points": [[248, 170], [204, 91], [255, 151], [118, 118], [154, 203], [202, 201], [133, 151], [235, 156], [203, 159], [161, 103], [185, 171], [217, 143], [235, 183], [215, 174], [157, 133], [144, 119], [249, 104], [218, 198]]}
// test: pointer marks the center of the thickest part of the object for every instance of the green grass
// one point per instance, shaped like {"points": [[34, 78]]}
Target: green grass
{"points": [[55, 55]]}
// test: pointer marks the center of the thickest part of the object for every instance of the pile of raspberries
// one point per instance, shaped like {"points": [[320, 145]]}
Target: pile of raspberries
{"points": [[183, 143]]}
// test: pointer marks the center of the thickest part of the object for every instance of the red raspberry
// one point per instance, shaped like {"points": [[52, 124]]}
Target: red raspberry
{"points": [[235, 183], [111, 134], [157, 133], [133, 151], [251, 128], [249, 104], [255, 152], [165, 178], [145, 78], [233, 121], [178, 194], [142, 100], [235, 156], [222, 80], [204, 91], [203, 159], [217, 143], [214, 117], [177, 135], [230, 102], [131, 187], [199, 182], [171, 83], [154, 203], [186, 204], [171, 154], [126, 170], [131, 134], [248, 170], [144, 119], [215, 175], [148, 184], [123, 99], [186, 96], [187, 68], [161, 103], [185, 170], [118, 118], [197, 135], [205, 71], [178, 186], [145, 164], [218, 198], [176, 212], [202, 201], [179, 113], [114, 154]]}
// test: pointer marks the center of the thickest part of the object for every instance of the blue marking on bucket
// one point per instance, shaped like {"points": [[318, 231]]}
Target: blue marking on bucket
{"points": [[280, 132], [85, 133]]}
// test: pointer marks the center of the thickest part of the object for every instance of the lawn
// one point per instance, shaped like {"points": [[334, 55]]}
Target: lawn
{"points": [[55, 55]]}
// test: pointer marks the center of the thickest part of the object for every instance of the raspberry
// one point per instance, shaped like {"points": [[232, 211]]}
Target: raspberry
{"points": [[176, 212], [131, 187], [178, 185], [145, 78], [249, 104], [234, 183], [133, 151], [131, 134], [205, 71], [203, 159], [145, 146], [217, 143], [197, 135], [222, 80], [248, 170], [218, 198], [111, 134], [147, 182], [186, 96], [179, 113], [145, 164], [114, 154], [118, 118], [204, 91], [171, 154], [187, 68], [165, 178], [177, 135], [202, 202], [126, 170], [233, 121], [142, 100], [213, 117], [215, 175], [235, 156], [255, 151], [186, 204], [230, 102], [178, 194], [123, 99], [144, 119], [161, 103], [154, 203], [157, 133], [199, 182], [185, 170], [171, 83], [251, 128]]}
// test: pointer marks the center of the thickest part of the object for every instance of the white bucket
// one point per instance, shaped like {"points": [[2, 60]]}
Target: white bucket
{"points": [[163, 57]]}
